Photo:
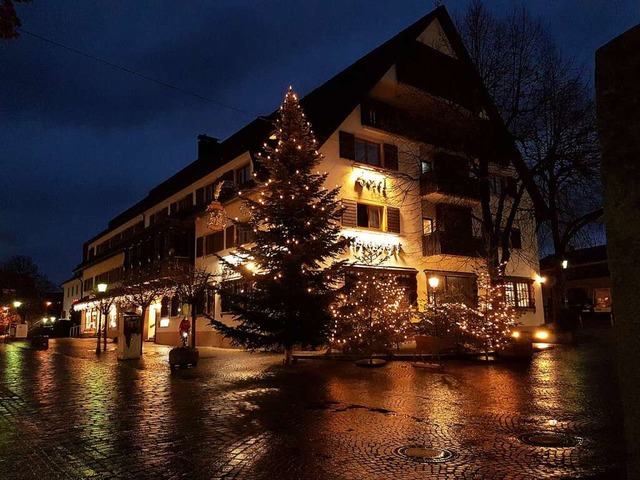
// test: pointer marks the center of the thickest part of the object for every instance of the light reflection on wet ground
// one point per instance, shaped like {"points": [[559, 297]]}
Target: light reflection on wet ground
{"points": [[66, 414]]}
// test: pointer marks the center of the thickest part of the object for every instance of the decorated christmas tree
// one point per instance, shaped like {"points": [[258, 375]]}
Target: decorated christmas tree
{"points": [[281, 287], [486, 327], [372, 313]]}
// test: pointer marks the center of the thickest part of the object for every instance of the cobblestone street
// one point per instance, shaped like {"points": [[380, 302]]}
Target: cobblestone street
{"points": [[65, 414]]}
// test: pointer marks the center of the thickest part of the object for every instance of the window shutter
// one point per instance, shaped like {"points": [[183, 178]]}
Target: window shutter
{"points": [[393, 219], [230, 236], [350, 213], [390, 157], [218, 241], [347, 146]]}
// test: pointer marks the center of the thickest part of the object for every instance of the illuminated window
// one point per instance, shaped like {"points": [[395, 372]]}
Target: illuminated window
{"points": [[369, 216], [427, 226], [519, 294]]}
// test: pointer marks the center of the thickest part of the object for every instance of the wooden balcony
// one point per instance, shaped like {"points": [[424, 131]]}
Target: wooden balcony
{"points": [[433, 186], [438, 243]]}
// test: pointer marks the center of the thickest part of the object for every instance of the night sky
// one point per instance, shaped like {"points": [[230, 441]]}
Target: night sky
{"points": [[81, 141]]}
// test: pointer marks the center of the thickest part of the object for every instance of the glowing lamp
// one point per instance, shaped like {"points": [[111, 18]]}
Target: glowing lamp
{"points": [[251, 266], [48, 304], [540, 279], [17, 304], [434, 282], [515, 334], [53, 319], [553, 422], [565, 263], [45, 319], [542, 335], [102, 287]]}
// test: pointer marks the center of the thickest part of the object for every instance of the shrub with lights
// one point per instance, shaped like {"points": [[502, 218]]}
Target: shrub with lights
{"points": [[283, 298], [486, 327], [372, 313]]}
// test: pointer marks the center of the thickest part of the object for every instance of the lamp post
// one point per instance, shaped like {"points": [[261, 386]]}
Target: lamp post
{"points": [[101, 289], [17, 304], [433, 283]]}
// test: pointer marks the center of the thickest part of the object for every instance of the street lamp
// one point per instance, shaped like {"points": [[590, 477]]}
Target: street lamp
{"points": [[433, 283], [17, 304], [102, 288]]}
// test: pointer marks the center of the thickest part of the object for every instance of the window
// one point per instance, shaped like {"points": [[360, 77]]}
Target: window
{"points": [[243, 174], [245, 235], [369, 216], [175, 306], [214, 243], [234, 289], [209, 301], [427, 226], [164, 307], [519, 294], [367, 152]]}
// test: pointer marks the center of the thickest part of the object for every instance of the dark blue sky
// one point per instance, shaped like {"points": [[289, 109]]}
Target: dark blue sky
{"points": [[81, 141]]}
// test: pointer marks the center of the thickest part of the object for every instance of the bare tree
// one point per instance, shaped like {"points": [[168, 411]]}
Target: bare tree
{"points": [[548, 109], [104, 302], [191, 285], [143, 286]]}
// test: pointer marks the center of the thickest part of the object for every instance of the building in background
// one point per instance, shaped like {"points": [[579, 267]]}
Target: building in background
{"points": [[588, 284], [400, 130]]}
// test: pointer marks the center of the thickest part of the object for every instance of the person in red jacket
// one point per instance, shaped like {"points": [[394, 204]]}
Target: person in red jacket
{"points": [[183, 329]]}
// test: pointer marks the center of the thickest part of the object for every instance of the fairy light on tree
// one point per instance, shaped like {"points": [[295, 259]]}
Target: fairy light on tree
{"points": [[487, 327], [372, 313], [285, 298]]}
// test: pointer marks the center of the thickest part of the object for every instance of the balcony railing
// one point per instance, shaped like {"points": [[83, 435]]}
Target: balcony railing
{"points": [[439, 243], [458, 186]]}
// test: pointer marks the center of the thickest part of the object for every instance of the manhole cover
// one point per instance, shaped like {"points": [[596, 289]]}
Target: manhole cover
{"points": [[425, 454], [550, 439]]}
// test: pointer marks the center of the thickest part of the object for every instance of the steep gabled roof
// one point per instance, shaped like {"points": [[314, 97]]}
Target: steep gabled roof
{"points": [[326, 108]]}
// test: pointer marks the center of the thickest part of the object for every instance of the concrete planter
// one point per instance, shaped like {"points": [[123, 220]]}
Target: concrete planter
{"points": [[182, 357]]}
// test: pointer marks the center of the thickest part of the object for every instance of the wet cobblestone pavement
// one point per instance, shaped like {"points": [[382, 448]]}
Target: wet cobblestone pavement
{"points": [[65, 414]]}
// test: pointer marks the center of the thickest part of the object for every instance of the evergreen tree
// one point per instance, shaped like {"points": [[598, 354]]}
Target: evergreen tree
{"points": [[488, 326], [372, 313], [286, 294]]}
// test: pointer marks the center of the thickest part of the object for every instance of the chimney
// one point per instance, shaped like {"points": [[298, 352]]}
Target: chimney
{"points": [[207, 147]]}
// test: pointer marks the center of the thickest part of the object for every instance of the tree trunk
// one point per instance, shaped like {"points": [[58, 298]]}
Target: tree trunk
{"points": [[106, 329], [193, 325], [98, 330], [288, 355], [144, 313]]}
